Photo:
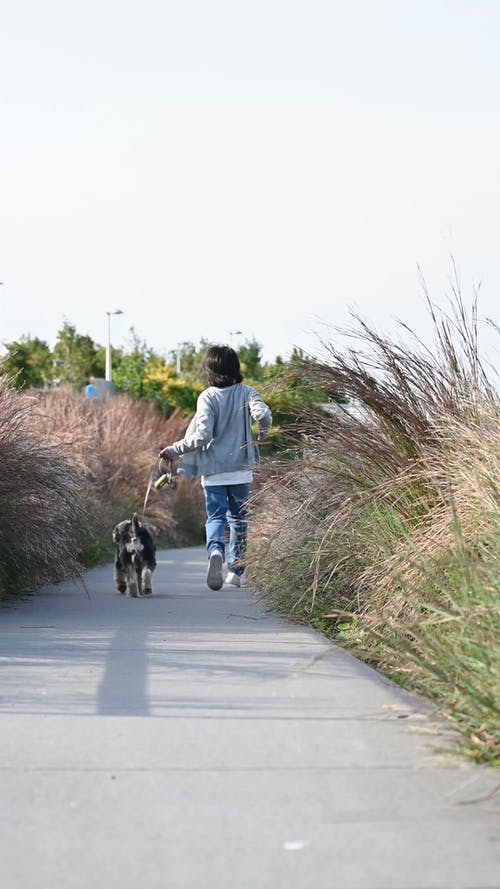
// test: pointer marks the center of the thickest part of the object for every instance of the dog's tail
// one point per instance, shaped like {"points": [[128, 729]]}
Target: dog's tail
{"points": [[135, 545], [135, 525]]}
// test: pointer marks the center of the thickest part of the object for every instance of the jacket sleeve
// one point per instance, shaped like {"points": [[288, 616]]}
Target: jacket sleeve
{"points": [[259, 411], [199, 433]]}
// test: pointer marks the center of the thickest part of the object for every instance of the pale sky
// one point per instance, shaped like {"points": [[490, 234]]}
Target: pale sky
{"points": [[211, 166]]}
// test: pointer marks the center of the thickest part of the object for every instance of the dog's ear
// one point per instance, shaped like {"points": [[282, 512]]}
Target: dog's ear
{"points": [[121, 531]]}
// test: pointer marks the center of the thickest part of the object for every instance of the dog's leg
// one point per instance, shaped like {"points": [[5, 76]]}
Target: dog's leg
{"points": [[132, 587], [120, 577], [147, 586], [137, 563]]}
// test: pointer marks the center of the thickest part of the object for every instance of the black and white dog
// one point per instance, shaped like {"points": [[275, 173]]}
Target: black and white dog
{"points": [[135, 558]]}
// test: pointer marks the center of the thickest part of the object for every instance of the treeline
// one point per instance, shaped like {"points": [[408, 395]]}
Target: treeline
{"points": [[172, 381]]}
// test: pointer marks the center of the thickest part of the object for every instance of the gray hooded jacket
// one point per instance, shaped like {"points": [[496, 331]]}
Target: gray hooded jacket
{"points": [[219, 438]]}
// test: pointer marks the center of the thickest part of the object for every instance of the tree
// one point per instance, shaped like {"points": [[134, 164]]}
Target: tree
{"points": [[191, 357], [162, 384], [250, 359], [250, 355], [273, 371], [29, 361], [100, 358], [76, 357], [129, 372]]}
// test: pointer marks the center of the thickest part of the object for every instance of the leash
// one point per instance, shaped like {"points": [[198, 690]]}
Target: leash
{"points": [[166, 478]]}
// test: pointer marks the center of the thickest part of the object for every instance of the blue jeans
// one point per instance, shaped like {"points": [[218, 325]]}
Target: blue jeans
{"points": [[227, 504]]}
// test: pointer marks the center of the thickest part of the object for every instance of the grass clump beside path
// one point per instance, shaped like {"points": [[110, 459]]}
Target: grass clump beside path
{"points": [[70, 469], [43, 518], [382, 527]]}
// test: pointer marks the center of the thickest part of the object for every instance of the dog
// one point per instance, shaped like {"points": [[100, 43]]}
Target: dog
{"points": [[135, 558]]}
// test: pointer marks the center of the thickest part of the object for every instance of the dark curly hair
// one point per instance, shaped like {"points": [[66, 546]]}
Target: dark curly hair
{"points": [[221, 366]]}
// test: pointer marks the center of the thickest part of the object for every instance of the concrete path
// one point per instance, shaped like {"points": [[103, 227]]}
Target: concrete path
{"points": [[192, 741]]}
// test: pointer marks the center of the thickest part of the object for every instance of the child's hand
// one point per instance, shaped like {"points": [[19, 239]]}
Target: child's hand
{"points": [[261, 437], [164, 453]]}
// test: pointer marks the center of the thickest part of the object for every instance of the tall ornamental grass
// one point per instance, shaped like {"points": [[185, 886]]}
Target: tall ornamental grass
{"points": [[114, 442], [382, 525], [70, 468], [44, 516]]}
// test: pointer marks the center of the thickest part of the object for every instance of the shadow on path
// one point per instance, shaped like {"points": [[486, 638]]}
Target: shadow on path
{"points": [[123, 689]]}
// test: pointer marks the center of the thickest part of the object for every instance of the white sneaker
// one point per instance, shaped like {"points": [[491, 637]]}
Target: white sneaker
{"points": [[214, 573], [233, 579]]}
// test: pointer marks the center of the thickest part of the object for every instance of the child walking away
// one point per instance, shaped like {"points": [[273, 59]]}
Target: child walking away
{"points": [[219, 446]]}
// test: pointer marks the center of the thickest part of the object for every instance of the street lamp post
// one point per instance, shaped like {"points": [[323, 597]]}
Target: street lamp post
{"points": [[108, 343]]}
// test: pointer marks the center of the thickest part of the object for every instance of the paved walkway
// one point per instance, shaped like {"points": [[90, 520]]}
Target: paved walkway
{"points": [[192, 741]]}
